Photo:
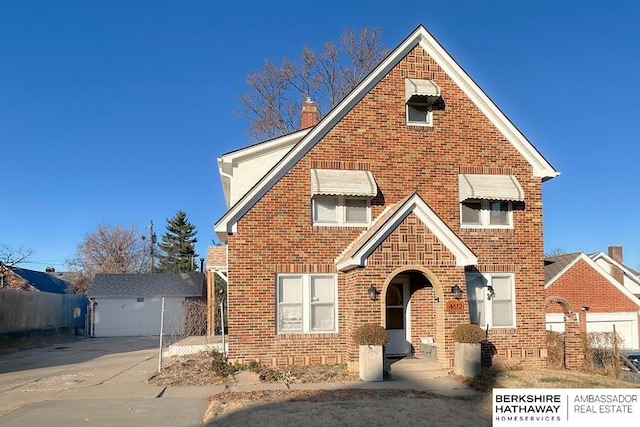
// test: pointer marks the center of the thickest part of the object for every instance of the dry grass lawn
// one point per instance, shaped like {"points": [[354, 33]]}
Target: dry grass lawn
{"points": [[358, 407]]}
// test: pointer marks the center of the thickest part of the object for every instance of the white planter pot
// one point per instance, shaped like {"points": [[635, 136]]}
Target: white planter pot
{"points": [[468, 359], [371, 363]]}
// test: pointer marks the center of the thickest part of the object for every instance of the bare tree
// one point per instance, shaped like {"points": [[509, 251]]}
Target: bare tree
{"points": [[110, 249], [10, 257], [276, 93], [555, 252]]}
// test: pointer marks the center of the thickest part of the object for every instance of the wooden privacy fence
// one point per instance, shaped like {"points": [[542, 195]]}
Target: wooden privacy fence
{"points": [[23, 311]]}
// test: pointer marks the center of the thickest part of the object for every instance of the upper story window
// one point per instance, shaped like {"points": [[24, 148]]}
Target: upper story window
{"points": [[486, 213], [492, 299], [419, 113], [486, 201], [342, 197], [420, 97], [341, 210]]}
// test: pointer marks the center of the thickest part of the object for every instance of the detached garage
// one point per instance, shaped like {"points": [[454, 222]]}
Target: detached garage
{"points": [[131, 304]]}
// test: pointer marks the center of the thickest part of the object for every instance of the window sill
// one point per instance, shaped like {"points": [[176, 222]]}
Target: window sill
{"points": [[301, 335], [485, 227], [336, 225]]}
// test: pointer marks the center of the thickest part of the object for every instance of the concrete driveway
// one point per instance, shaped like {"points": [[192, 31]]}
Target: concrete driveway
{"points": [[97, 382]]}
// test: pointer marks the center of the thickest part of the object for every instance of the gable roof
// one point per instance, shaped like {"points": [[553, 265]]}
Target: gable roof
{"points": [[565, 262], [419, 37], [148, 285], [43, 282], [357, 253], [628, 271]]}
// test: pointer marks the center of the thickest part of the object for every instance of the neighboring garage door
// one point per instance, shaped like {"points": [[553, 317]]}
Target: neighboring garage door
{"points": [[626, 325], [122, 317], [555, 322]]}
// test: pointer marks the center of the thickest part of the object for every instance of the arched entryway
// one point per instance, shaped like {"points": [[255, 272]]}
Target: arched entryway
{"points": [[572, 348], [410, 309]]}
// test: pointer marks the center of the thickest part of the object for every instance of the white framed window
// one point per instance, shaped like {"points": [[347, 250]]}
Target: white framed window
{"points": [[341, 211], [419, 113], [491, 299], [486, 214], [307, 303]]}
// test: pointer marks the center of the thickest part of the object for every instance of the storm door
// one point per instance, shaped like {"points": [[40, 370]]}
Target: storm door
{"points": [[397, 317]]}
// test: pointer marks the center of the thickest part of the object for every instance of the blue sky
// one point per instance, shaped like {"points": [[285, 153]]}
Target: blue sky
{"points": [[115, 111]]}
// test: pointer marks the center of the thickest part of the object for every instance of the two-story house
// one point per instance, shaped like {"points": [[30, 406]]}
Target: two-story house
{"points": [[415, 193]]}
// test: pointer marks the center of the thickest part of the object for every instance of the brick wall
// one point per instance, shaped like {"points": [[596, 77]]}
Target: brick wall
{"points": [[582, 285], [277, 235]]}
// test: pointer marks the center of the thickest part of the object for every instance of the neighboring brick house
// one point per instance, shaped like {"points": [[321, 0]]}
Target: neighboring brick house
{"points": [[597, 292], [414, 183], [30, 280]]}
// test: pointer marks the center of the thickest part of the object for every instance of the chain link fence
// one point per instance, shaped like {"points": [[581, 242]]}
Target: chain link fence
{"points": [[185, 333]]}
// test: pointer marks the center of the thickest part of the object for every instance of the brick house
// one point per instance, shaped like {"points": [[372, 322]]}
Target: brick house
{"points": [[32, 281], [597, 291], [413, 186]]}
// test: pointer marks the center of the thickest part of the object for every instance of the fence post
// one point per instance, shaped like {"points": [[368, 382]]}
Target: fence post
{"points": [[161, 333], [224, 346]]}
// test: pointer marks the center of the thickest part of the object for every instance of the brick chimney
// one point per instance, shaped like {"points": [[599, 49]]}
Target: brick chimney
{"points": [[310, 114], [615, 253]]}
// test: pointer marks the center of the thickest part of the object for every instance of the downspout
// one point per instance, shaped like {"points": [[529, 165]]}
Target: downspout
{"points": [[229, 179]]}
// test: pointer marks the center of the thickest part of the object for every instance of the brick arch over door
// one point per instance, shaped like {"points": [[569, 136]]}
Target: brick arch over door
{"points": [[573, 347], [431, 296]]}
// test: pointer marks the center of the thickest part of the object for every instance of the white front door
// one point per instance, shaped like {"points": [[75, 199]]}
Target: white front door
{"points": [[397, 317]]}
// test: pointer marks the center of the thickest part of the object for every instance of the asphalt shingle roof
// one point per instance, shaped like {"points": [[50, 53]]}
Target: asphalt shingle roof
{"points": [[555, 264], [42, 281], [148, 285]]}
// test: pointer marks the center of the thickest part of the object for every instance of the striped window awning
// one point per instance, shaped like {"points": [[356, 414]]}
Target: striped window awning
{"points": [[490, 187], [343, 182], [421, 88]]}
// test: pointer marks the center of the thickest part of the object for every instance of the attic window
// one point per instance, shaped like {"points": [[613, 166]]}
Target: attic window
{"points": [[420, 96], [140, 299]]}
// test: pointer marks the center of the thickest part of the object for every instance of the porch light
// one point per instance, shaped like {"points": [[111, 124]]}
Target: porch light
{"points": [[372, 292], [456, 291]]}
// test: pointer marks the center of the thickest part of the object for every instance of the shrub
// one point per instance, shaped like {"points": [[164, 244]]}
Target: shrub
{"points": [[555, 350], [219, 364], [370, 334], [602, 354], [468, 333]]}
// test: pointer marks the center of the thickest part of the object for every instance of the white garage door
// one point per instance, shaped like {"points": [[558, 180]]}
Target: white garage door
{"points": [[555, 322], [123, 317], [626, 325]]}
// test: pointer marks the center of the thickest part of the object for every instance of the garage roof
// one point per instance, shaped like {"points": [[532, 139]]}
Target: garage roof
{"points": [[148, 285]]}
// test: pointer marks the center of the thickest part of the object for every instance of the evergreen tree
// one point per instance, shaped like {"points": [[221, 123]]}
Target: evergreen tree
{"points": [[178, 245]]}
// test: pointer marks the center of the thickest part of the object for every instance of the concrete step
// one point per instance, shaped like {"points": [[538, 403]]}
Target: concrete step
{"points": [[414, 368]]}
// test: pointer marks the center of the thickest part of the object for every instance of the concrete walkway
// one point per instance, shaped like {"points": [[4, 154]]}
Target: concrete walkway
{"points": [[103, 382]]}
